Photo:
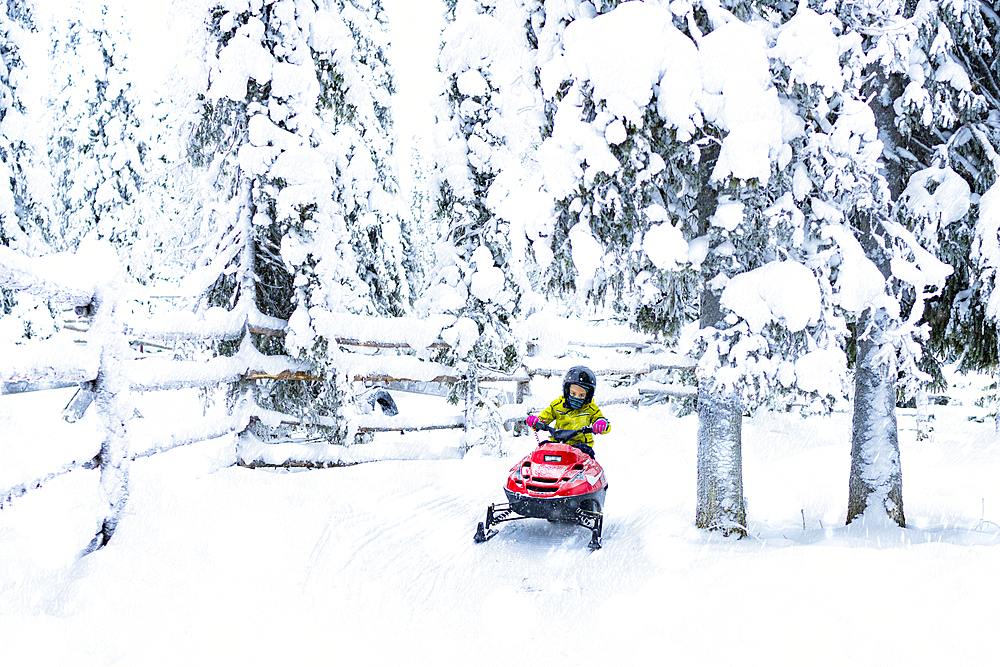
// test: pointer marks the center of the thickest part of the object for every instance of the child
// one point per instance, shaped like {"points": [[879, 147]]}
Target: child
{"points": [[575, 409]]}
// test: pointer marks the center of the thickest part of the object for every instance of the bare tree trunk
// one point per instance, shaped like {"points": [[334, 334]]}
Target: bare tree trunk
{"points": [[720, 460], [720, 412], [720, 441], [876, 474], [996, 421], [720, 444], [471, 388]]}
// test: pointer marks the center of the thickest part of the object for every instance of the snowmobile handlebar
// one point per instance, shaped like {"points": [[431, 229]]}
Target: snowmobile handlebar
{"points": [[561, 434]]}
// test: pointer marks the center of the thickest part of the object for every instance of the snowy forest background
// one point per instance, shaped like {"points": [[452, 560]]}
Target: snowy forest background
{"points": [[799, 198]]}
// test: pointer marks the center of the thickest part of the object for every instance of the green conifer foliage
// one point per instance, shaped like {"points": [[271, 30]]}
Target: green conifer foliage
{"points": [[306, 222]]}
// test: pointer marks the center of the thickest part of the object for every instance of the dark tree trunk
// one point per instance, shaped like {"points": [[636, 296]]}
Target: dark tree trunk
{"points": [[720, 460], [889, 88], [720, 411], [876, 474]]}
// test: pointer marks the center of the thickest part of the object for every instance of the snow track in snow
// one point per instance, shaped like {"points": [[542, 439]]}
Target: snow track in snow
{"points": [[375, 564]]}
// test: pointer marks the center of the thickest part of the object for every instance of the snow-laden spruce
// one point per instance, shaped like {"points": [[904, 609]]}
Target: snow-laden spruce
{"points": [[736, 152], [943, 130], [24, 190], [296, 140], [103, 140], [488, 194]]}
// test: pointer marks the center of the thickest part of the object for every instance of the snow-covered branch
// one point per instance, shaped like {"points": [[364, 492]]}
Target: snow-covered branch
{"points": [[387, 368], [45, 277], [18, 490], [987, 146], [632, 364], [48, 361], [207, 428], [151, 374], [161, 374], [374, 422], [417, 333], [213, 324]]}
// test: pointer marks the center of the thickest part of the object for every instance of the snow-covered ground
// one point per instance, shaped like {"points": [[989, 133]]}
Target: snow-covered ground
{"points": [[375, 564]]}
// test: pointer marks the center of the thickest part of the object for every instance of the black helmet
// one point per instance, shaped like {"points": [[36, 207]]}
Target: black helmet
{"points": [[583, 377]]}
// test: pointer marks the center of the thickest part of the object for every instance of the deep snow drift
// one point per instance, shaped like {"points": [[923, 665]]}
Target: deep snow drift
{"points": [[375, 563]]}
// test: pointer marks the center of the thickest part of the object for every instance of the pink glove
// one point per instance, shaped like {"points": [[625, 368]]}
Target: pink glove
{"points": [[600, 426], [532, 421]]}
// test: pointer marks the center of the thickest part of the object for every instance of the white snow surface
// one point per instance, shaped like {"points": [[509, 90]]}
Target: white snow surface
{"points": [[622, 53], [216, 564], [823, 371], [64, 277], [587, 252], [808, 45], [374, 564], [859, 284], [738, 96]]}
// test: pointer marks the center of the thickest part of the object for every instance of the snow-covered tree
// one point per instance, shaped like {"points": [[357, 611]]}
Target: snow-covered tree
{"points": [[626, 173], [938, 63], [636, 169], [738, 159], [25, 190], [349, 43], [615, 173], [294, 137], [422, 232], [104, 139], [886, 321], [488, 199]]}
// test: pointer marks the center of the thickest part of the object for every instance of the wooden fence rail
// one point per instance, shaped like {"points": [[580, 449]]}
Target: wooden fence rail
{"points": [[107, 374], [634, 365], [106, 370]]}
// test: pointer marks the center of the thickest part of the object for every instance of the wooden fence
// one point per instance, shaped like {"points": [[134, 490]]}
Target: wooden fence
{"points": [[632, 366], [108, 370]]}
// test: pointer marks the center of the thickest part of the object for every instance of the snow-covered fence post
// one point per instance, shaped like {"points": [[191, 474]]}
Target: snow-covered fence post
{"points": [[523, 387], [924, 427], [43, 362], [112, 390], [471, 397], [62, 278], [78, 405]]}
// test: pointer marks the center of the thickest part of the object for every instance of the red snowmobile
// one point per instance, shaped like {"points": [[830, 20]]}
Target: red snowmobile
{"points": [[557, 482]]}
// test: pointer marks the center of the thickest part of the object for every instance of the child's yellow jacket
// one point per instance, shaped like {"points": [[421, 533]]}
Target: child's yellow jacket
{"points": [[558, 415]]}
